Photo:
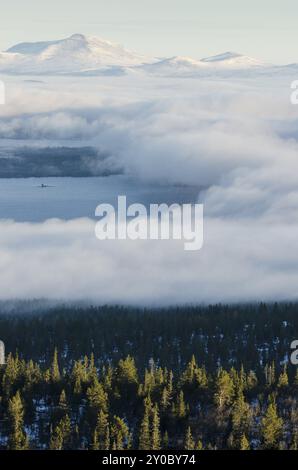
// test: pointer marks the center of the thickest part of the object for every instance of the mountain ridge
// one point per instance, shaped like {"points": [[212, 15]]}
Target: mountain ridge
{"points": [[81, 54], [72, 54]]}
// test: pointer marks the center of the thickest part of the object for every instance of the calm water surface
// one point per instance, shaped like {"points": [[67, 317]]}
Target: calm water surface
{"points": [[38, 199]]}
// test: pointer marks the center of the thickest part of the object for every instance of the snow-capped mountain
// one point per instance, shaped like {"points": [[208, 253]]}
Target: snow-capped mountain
{"points": [[223, 64], [74, 54], [84, 55]]}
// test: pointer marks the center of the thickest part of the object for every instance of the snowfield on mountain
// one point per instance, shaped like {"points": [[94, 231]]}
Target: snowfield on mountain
{"points": [[90, 55]]}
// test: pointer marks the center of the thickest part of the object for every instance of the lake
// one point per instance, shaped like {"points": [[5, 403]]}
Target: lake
{"points": [[39, 199]]}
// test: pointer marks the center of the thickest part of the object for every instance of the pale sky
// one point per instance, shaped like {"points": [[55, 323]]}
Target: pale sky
{"points": [[266, 29]]}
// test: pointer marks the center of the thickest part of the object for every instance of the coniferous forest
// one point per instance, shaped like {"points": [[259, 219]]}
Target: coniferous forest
{"points": [[103, 378]]}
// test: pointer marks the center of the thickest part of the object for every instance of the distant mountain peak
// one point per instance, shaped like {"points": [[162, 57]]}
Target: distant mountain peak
{"points": [[78, 36], [182, 61], [92, 55], [235, 59], [75, 53], [224, 56], [74, 42]]}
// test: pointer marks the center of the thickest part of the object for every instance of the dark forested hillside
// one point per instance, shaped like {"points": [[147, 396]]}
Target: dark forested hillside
{"points": [[181, 378]]}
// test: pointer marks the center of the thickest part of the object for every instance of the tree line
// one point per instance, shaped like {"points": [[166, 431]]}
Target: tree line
{"points": [[215, 377], [118, 407]]}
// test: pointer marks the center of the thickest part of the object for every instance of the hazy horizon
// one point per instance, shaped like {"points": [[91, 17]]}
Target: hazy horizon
{"points": [[170, 28]]}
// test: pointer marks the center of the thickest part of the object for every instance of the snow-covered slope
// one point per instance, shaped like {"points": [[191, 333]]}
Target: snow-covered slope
{"points": [[223, 64], [9, 60], [233, 60], [175, 66], [74, 54], [88, 56]]}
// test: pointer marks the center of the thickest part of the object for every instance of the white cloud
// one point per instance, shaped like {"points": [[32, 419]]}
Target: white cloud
{"points": [[235, 140], [240, 260]]}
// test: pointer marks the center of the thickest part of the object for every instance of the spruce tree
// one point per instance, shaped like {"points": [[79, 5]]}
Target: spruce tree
{"points": [[271, 427], [199, 445], [60, 436], [144, 433], [120, 435], [165, 440], [11, 374], [55, 372], [180, 406], [189, 443], [188, 376], [165, 399], [127, 371], [224, 389], [101, 434], [244, 444], [240, 416], [97, 397], [294, 442], [155, 433], [283, 380], [17, 437]]}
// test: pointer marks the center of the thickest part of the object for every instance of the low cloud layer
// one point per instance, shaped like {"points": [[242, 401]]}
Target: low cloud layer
{"points": [[244, 261], [236, 139]]}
